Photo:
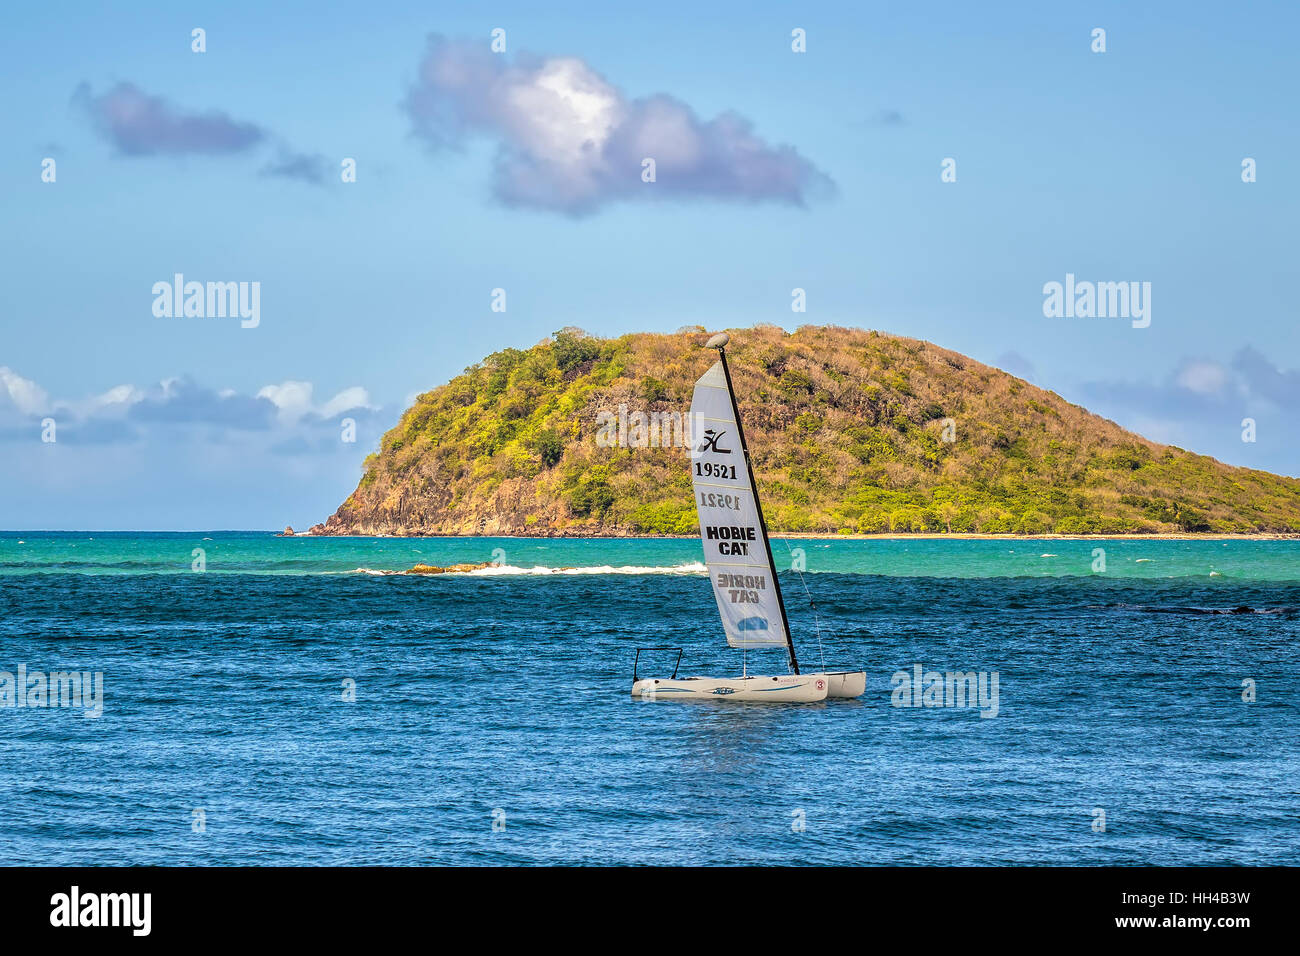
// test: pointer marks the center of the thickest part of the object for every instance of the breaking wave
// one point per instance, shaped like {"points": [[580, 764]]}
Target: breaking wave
{"points": [[508, 570]]}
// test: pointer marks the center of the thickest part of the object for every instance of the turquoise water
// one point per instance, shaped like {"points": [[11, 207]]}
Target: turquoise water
{"points": [[503, 696], [264, 553]]}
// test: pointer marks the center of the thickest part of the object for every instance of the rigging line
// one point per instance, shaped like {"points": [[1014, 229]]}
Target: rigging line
{"points": [[817, 619]]}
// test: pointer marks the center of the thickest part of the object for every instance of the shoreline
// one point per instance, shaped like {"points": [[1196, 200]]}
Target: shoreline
{"points": [[832, 536], [779, 535]]}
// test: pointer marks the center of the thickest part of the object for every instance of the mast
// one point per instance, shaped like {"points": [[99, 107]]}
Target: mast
{"points": [[758, 505]]}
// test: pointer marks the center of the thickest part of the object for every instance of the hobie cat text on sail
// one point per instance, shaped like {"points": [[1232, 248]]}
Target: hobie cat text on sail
{"points": [[731, 540]]}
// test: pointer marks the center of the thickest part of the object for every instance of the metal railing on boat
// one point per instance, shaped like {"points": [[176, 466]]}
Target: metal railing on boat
{"points": [[637, 658]]}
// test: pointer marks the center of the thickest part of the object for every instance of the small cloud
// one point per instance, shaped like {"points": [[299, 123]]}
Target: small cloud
{"points": [[118, 395], [138, 124], [1016, 364], [25, 395], [184, 401], [293, 401], [112, 405], [1204, 378], [887, 117], [98, 432], [1200, 390], [350, 399], [1262, 377], [307, 167], [1202, 405], [570, 141]]}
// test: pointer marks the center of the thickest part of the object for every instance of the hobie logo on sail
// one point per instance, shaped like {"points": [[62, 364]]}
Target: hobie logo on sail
{"points": [[710, 442], [752, 624]]}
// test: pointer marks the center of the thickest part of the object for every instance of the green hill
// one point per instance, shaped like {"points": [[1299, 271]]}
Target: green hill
{"points": [[851, 431]]}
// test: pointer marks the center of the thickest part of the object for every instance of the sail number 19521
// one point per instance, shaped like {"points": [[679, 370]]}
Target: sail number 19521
{"points": [[710, 500], [707, 469]]}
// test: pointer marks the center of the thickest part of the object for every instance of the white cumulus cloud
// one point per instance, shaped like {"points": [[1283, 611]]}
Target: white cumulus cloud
{"points": [[26, 396], [570, 141], [1204, 378], [120, 412], [293, 401]]}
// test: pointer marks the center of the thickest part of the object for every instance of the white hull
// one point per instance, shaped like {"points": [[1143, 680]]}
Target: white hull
{"points": [[790, 689], [845, 683]]}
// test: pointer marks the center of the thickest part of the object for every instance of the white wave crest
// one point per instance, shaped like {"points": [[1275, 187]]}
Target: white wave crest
{"points": [[695, 567]]}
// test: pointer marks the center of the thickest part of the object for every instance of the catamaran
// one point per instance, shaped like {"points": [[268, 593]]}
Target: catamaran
{"points": [[739, 558]]}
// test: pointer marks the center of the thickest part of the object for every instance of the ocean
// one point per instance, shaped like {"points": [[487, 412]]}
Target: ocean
{"points": [[295, 703]]}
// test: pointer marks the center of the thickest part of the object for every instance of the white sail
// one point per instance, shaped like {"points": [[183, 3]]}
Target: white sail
{"points": [[735, 548]]}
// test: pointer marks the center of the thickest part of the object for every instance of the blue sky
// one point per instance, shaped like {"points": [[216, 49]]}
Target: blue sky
{"points": [[1115, 166]]}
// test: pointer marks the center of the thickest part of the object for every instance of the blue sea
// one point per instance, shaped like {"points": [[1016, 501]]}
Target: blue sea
{"points": [[492, 721]]}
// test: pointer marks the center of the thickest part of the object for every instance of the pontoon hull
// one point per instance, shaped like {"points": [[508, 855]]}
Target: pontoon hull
{"points": [[845, 683], [790, 689]]}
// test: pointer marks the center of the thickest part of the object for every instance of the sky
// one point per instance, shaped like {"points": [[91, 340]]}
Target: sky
{"points": [[926, 170]]}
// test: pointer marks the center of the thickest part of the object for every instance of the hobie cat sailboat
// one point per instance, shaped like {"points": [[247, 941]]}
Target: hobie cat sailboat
{"points": [[739, 557]]}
